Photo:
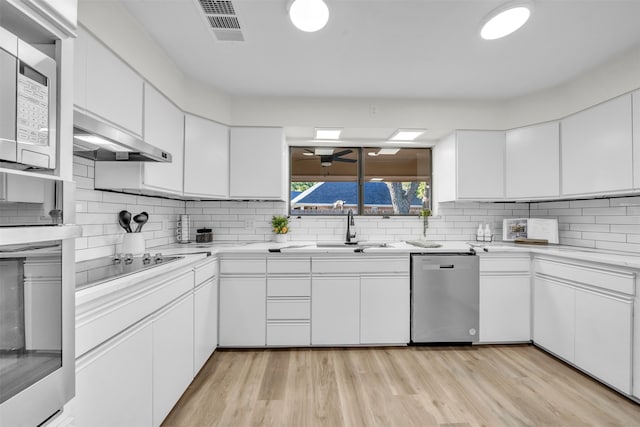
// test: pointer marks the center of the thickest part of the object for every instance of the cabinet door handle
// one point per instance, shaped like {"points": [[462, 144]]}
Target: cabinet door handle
{"points": [[447, 266]]}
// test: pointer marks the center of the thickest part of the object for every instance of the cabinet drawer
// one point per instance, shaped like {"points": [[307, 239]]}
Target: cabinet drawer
{"points": [[288, 309], [206, 271], [361, 264], [289, 287], [289, 334], [501, 264], [243, 266], [284, 265], [613, 280]]}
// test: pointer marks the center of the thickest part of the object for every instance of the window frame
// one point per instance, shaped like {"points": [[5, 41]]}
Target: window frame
{"points": [[359, 210]]}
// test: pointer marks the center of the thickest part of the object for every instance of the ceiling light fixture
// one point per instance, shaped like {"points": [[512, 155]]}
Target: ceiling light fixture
{"points": [[505, 19], [328, 133], [406, 134], [308, 15]]}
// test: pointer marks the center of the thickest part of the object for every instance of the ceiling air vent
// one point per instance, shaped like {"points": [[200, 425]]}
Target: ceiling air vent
{"points": [[222, 19]]}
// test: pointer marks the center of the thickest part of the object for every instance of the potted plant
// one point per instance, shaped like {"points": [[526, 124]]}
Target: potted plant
{"points": [[280, 226], [425, 213]]}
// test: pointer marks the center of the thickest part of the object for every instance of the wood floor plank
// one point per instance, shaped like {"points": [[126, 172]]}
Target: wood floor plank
{"points": [[518, 385]]}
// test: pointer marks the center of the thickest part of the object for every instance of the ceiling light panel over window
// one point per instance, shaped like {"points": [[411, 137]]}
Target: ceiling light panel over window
{"points": [[505, 20], [309, 15], [328, 134], [406, 134]]}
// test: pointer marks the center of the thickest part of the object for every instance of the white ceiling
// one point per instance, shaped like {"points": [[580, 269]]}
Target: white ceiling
{"points": [[393, 48]]}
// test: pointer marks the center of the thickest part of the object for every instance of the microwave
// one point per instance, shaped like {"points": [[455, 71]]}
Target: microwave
{"points": [[27, 104], [530, 228]]}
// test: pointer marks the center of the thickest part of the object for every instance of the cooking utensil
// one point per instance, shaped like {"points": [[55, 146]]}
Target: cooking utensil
{"points": [[124, 219], [140, 219]]}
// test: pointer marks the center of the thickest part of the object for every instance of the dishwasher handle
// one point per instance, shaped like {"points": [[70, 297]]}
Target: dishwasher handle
{"points": [[447, 266]]}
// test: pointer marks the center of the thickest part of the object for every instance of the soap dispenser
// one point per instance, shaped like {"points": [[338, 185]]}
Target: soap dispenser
{"points": [[487, 233], [480, 234]]}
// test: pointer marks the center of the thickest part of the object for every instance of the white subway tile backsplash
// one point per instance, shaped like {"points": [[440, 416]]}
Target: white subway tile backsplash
{"points": [[625, 201], [590, 227], [608, 237], [618, 210], [593, 203]]}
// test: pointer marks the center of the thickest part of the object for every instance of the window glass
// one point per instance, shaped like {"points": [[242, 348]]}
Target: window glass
{"points": [[396, 181], [324, 180]]}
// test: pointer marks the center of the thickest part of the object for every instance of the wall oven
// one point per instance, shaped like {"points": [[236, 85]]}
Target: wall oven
{"points": [[37, 301], [27, 104]]}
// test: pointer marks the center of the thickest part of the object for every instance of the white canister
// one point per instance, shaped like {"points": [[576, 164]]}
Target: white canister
{"points": [[133, 243]]}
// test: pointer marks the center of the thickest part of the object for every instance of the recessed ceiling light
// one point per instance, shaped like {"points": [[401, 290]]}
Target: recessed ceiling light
{"points": [[406, 135], [372, 153], [377, 179], [505, 20], [323, 151], [308, 15], [328, 133], [308, 153]]}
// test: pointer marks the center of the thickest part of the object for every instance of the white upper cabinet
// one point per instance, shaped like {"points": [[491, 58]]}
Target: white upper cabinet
{"points": [[597, 149], [206, 158], [470, 166], [636, 139], [164, 128], [109, 88], [258, 163], [533, 161]]}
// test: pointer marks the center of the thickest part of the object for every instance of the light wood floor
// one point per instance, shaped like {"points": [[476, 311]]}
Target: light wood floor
{"points": [[399, 386]]}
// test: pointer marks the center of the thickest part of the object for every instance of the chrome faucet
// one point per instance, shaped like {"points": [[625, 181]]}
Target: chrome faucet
{"points": [[350, 223]]}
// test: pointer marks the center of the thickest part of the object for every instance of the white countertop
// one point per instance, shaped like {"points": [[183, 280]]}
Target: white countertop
{"points": [[310, 247], [109, 287], [621, 259]]}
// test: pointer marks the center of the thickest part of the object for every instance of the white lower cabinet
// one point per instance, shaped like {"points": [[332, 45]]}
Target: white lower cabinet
{"points": [[584, 314], [384, 310], [335, 310], [554, 317], [604, 337], [138, 346], [172, 355], [205, 322], [505, 299], [114, 381], [242, 311]]}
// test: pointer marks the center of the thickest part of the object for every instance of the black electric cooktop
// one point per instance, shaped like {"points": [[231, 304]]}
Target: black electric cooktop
{"points": [[93, 272]]}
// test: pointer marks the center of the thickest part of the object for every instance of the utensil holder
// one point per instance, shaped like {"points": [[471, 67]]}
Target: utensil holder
{"points": [[133, 243]]}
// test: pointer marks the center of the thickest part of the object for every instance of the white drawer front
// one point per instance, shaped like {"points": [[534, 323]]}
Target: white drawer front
{"points": [[284, 265], [502, 264], [206, 271], [289, 287], [243, 266], [294, 309], [361, 264], [292, 334], [614, 280]]}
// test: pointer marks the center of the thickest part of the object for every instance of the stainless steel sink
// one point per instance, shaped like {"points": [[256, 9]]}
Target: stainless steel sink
{"points": [[354, 245]]}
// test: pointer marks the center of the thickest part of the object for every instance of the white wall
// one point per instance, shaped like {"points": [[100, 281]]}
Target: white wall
{"points": [[111, 23]]}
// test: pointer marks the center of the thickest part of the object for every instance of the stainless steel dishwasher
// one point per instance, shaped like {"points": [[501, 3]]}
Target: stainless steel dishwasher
{"points": [[444, 298]]}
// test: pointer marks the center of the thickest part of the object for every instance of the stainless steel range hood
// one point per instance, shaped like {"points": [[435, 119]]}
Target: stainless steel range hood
{"points": [[96, 140]]}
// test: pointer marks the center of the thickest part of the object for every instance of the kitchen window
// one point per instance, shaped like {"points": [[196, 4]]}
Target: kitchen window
{"points": [[370, 181]]}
